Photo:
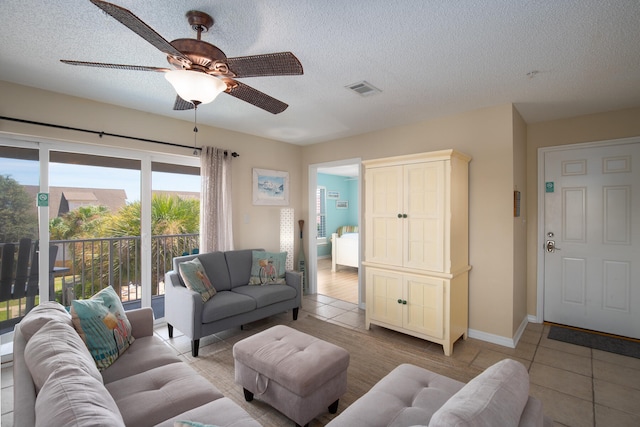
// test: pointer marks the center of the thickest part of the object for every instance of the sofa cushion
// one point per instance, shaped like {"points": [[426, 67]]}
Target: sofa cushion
{"points": [[103, 326], [239, 264], [267, 295], [215, 265], [196, 279], [221, 412], [71, 397], [496, 397], [164, 392], [56, 345], [226, 304], [261, 259], [40, 315], [407, 396], [144, 354]]}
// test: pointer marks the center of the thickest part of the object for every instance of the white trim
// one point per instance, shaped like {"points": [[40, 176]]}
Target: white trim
{"points": [[492, 338], [146, 158], [520, 331], [312, 254], [540, 190], [499, 339]]}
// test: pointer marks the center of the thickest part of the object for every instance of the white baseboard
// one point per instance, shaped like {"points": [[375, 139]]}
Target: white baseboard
{"points": [[492, 338], [499, 339]]}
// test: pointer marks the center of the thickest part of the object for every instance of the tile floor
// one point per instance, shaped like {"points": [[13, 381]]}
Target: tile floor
{"points": [[578, 386]]}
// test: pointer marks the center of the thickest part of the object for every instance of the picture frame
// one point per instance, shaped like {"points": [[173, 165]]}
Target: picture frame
{"points": [[342, 204], [333, 195], [270, 187]]}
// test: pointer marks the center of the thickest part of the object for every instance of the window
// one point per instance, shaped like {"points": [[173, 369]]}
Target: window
{"points": [[321, 213]]}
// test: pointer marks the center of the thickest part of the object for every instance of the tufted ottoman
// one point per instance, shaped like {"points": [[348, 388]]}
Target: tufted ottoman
{"points": [[299, 375]]}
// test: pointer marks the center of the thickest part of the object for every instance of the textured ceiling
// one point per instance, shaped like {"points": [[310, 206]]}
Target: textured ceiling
{"points": [[552, 59]]}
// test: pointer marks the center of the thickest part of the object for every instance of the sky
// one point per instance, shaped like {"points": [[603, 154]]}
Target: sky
{"points": [[27, 172]]}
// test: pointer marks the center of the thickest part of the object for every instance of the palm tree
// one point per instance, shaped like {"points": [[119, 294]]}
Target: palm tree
{"points": [[170, 215]]}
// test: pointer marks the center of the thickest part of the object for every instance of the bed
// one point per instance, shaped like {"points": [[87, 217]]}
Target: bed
{"points": [[345, 247]]}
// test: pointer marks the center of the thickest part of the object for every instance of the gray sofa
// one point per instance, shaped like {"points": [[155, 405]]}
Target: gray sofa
{"points": [[57, 383], [235, 303], [413, 396]]}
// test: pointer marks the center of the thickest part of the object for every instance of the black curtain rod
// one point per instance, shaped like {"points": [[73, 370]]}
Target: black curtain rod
{"points": [[102, 133]]}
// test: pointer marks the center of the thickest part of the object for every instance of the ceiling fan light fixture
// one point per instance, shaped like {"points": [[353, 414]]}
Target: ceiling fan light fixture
{"points": [[195, 86]]}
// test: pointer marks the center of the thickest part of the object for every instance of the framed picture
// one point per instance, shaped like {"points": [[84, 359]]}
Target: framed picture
{"points": [[270, 187], [342, 204], [333, 195]]}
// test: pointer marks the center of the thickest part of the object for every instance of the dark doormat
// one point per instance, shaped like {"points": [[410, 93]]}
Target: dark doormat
{"points": [[625, 347]]}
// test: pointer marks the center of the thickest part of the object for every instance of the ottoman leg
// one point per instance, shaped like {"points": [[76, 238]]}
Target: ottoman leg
{"points": [[248, 396], [295, 313], [170, 328], [195, 345], [333, 408]]}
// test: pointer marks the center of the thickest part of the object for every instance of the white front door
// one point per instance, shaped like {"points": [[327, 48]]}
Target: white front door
{"points": [[592, 237]]}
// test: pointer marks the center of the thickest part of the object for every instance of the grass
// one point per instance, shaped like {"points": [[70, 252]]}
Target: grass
{"points": [[16, 306]]}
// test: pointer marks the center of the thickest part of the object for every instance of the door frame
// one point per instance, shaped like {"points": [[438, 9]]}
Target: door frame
{"points": [[312, 249], [541, 215]]}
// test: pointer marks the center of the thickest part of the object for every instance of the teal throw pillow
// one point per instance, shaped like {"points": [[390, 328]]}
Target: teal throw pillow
{"points": [[268, 268], [103, 325], [194, 276]]}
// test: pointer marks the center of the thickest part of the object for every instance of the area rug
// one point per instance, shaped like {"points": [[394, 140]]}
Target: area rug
{"points": [[611, 344], [373, 354]]}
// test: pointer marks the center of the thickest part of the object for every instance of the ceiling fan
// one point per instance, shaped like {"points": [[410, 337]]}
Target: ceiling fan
{"points": [[201, 66]]}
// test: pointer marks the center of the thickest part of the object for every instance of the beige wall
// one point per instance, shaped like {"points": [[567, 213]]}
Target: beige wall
{"points": [[493, 136], [262, 228], [589, 128], [519, 223], [487, 136]]}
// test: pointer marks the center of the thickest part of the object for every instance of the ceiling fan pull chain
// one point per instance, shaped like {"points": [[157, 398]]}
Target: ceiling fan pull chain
{"points": [[195, 129]]}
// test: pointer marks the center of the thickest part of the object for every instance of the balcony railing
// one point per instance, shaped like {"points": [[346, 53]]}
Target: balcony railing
{"points": [[85, 266]]}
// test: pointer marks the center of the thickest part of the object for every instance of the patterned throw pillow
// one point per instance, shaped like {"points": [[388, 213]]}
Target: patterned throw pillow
{"points": [[102, 324], [194, 276], [268, 268]]}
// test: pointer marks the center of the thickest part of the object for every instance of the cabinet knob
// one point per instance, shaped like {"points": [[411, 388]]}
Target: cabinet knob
{"points": [[399, 301], [404, 301], [399, 215], [404, 215]]}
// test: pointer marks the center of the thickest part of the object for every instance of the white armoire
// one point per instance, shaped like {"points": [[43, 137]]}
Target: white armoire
{"points": [[417, 245]]}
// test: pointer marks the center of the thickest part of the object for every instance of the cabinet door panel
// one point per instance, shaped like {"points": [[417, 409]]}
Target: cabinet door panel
{"points": [[384, 289], [383, 204], [424, 226], [424, 312]]}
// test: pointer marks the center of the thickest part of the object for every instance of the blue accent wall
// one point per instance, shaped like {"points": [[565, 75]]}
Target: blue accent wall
{"points": [[348, 189]]}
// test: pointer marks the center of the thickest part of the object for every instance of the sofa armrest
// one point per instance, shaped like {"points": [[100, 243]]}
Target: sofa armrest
{"points": [[141, 320], [182, 307], [294, 279]]}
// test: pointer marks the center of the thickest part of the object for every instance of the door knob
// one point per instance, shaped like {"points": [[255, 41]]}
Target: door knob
{"points": [[551, 246]]}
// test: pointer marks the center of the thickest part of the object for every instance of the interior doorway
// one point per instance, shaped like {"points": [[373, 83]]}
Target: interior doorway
{"points": [[334, 206], [590, 236]]}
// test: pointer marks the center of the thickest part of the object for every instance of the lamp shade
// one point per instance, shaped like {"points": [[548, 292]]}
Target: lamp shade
{"points": [[195, 86]]}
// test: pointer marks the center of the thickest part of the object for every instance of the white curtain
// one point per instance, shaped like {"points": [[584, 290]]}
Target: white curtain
{"points": [[216, 226]]}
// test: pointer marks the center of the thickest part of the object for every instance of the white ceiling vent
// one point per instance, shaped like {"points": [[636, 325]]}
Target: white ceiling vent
{"points": [[363, 88]]}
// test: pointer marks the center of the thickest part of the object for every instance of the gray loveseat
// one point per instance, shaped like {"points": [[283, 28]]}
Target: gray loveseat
{"points": [[57, 383], [235, 302], [414, 396]]}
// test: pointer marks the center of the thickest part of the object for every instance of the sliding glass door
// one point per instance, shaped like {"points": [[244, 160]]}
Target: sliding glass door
{"points": [[114, 217]]}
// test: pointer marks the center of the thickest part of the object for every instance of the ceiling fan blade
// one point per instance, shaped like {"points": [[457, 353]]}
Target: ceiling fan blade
{"points": [[270, 64], [117, 66], [136, 25], [257, 98], [181, 104]]}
